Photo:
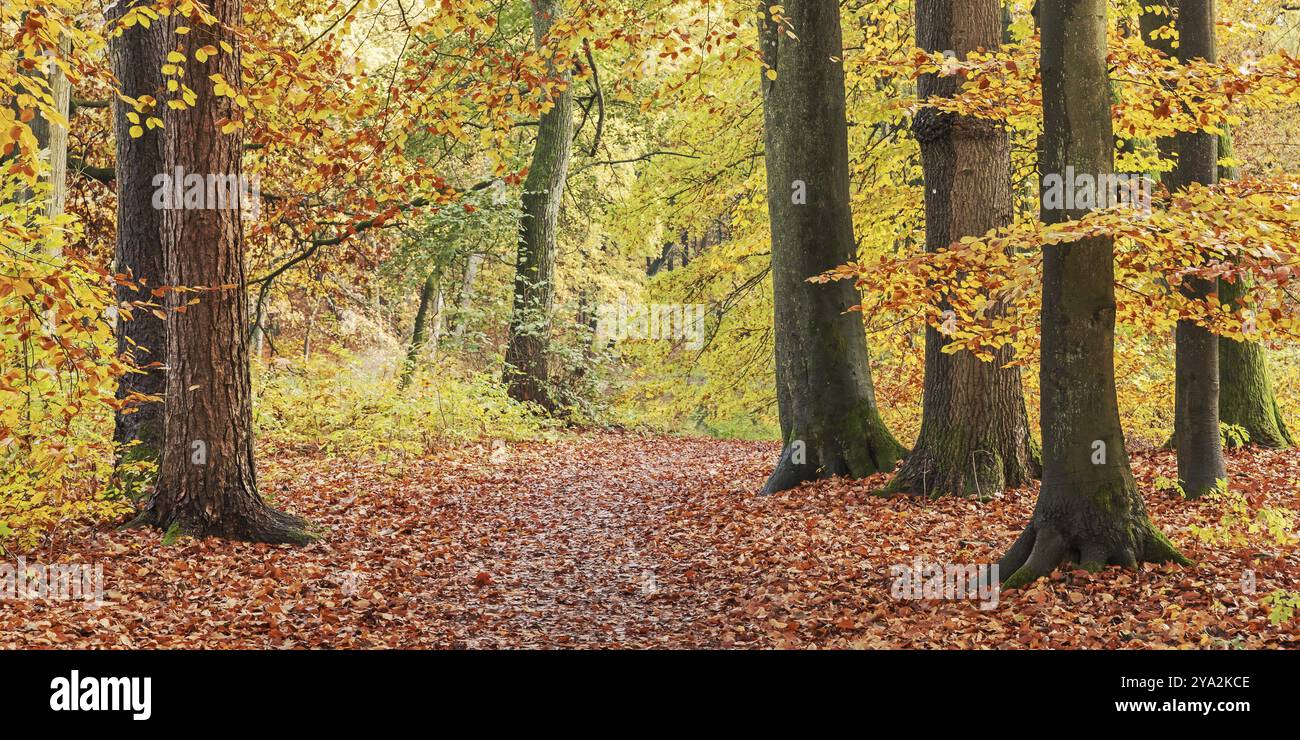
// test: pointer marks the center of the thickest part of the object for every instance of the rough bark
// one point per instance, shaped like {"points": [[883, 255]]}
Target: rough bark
{"points": [[1246, 397], [527, 367], [1089, 510], [974, 429], [829, 421], [207, 482], [1196, 354], [137, 57]]}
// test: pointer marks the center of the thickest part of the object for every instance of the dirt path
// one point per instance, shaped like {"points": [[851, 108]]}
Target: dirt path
{"points": [[617, 540], [575, 541], [530, 545]]}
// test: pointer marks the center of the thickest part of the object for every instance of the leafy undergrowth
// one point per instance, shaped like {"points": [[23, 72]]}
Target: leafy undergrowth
{"points": [[617, 540]]}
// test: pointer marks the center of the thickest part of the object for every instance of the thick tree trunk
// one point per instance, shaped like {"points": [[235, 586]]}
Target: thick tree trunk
{"points": [[137, 57], [1089, 510], [974, 428], [207, 482], [527, 366], [1246, 396], [420, 331], [829, 421], [1196, 390]]}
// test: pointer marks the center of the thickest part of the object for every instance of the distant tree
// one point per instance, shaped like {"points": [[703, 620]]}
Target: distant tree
{"points": [[1196, 387]]}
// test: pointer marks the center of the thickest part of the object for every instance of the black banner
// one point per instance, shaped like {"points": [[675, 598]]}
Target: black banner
{"points": [[926, 690]]}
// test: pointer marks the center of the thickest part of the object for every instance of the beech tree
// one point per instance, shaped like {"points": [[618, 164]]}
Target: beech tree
{"points": [[207, 481], [527, 367], [137, 55], [1196, 386], [826, 401], [1246, 395], [1089, 510], [974, 429]]}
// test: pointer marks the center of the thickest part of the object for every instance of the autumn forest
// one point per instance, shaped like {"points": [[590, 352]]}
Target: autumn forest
{"points": [[864, 324]]}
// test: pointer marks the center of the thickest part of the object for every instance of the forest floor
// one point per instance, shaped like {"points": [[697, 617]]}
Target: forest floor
{"points": [[619, 540]]}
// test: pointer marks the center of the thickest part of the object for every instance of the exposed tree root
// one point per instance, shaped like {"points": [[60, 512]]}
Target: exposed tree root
{"points": [[1040, 549], [861, 455], [258, 524]]}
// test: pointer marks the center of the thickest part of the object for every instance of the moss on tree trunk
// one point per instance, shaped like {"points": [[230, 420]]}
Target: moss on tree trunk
{"points": [[829, 421], [420, 329], [1246, 397], [527, 354], [1089, 510]]}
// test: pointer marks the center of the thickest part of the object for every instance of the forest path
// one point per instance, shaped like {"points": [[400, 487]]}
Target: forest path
{"points": [[580, 541], [621, 540]]}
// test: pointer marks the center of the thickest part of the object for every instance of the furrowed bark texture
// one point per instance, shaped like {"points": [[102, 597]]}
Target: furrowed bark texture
{"points": [[829, 421], [137, 56], [974, 436], [207, 483], [1089, 510]]}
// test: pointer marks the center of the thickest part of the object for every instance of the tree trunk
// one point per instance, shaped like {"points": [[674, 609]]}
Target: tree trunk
{"points": [[526, 373], [1150, 21], [1196, 355], [306, 333], [1089, 510], [419, 332], [829, 421], [51, 138], [56, 136], [466, 299], [207, 482], [1246, 395], [137, 57], [974, 428], [259, 331]]}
